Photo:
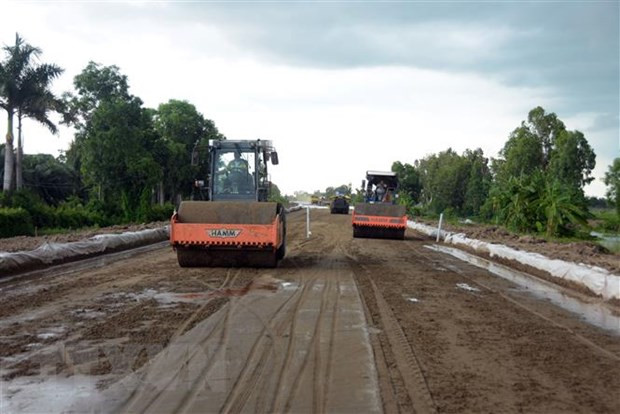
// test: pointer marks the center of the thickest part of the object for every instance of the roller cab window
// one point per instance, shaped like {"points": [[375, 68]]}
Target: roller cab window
{"points": [[235, 173]]}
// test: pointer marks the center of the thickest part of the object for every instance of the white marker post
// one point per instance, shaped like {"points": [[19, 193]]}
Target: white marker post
{"points": [[439, 227], [308, 232]]}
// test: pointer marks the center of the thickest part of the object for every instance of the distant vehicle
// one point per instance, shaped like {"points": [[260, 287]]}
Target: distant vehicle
{"points": [[236, 225], [339, 204], [379, 216], [318, 200]]}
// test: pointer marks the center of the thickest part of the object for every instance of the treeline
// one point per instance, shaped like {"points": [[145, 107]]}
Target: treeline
{"points": [[535, 185], [343, 189], [126, 163]]}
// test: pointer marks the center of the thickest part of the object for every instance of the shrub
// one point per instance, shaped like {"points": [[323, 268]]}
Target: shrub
{"points": [[608, 220], [161, 213], [73, 217], [41, 214], [15, 222]]}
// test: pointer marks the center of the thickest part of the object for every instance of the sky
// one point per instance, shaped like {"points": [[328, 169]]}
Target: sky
{"points": [[342, 87]]}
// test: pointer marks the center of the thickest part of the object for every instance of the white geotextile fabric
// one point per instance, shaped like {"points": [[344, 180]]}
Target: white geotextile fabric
{"points": [[50, 253], [599, 280], [292, 209]]}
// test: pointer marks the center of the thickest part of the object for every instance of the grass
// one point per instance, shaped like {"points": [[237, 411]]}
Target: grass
{"points": [[605, 221]]}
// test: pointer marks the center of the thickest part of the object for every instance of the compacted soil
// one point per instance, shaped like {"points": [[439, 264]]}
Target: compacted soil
{"points": [[342, 325]]}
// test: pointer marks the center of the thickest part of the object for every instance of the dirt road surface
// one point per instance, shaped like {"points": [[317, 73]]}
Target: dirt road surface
{"points": [[342, 325]]}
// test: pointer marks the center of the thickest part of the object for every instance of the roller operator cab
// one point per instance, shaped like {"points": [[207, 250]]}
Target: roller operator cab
{"points": [[230, 222], [379, 216]]}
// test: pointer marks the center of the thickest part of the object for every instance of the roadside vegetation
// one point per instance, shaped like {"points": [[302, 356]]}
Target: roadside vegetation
{"points": [[534, 186], [127, 163]]}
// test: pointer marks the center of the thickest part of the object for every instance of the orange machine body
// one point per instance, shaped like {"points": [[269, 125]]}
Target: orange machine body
{"points": [[222, 235], [364, 220]]}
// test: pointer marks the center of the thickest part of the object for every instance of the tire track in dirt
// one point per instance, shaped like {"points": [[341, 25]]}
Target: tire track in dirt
{"points": [[402, 350], [183, 327], [314, 356], [139, 395], [406, 359], [386, 383], [253, 368], [330, 350], [580, 338], [310, 352], [276, 405], [596, 348], [254, 371], [319, 387], [152, 372]]}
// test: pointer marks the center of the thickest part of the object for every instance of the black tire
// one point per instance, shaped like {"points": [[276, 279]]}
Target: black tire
{"points": [[281, 252]]}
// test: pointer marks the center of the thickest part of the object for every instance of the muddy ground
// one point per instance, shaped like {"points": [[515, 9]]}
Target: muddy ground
{"points": [[445, 336]]}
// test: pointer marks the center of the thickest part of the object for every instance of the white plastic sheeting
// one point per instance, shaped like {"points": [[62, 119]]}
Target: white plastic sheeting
{"points": [[598, 280], [54, 253], [293, 208]]}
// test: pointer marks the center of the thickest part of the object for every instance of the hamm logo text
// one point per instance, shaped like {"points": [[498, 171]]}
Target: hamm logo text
{"points": [[223, 233]]}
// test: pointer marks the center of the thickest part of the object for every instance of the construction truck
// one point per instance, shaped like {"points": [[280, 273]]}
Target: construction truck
{"points": [[339, 204], [232, 223], [379, 216]]}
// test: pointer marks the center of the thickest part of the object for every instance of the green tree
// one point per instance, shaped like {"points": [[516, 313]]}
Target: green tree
{"points": [[572, 159], [37, 101], [275, 195], [342, 189], [117, 154], [409, 182], [612, 181], [24, 91], [522, 154], [181, 127], [542, 164], [514, 203], [94, 85], [559, 210], [478, 182], [444, 181], [546, 127], [50, 178], [116, 146]]}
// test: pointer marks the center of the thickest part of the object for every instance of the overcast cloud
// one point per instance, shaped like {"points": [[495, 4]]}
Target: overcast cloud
{"points": [[345, 87]]}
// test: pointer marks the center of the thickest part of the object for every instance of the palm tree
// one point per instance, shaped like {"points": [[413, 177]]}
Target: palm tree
{"points": [[35, 102], [24, 91]]}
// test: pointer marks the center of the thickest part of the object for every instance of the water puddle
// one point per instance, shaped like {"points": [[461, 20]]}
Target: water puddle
{"points": [[87, 313], [51, 332], [466, 287], [593, 313], [53, 394], [289, 286], [611, 242], [261, 284], [410, 298]]}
